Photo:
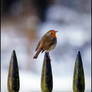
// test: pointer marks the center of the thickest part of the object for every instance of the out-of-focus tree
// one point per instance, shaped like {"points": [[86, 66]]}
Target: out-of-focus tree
{"points": [[6, 5], [39, 7], [79, 5]]}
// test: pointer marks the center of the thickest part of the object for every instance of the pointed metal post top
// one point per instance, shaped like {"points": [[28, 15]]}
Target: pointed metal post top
{"points": [[79, 77], [79, 53], [13, 56], [13, 74], [13, 53], [79, 56], [46, 53], [47, 57], [46, 76]]}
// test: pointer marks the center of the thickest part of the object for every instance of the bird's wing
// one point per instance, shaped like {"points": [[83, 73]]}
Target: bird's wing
{"points": [[39, 43], [49, 42]]}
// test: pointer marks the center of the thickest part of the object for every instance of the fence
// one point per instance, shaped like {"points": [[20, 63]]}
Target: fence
{"points": [[46, 76]]}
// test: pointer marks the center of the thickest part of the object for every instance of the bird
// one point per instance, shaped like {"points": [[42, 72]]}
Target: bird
{"points": [[47, 43]]}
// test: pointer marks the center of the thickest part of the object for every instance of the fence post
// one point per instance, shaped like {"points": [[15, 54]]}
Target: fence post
{"points": [[78, 78], [13, 74], [46, 77]]}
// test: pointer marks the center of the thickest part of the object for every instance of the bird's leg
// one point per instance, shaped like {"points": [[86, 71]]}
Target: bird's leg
{"points": [[47, 55]]}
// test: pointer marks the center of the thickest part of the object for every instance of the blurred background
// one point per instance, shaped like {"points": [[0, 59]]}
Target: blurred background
{"points": [[23, 22]]}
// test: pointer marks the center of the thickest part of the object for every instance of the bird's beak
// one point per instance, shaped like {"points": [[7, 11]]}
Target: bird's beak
{"points": [[56, 31]]}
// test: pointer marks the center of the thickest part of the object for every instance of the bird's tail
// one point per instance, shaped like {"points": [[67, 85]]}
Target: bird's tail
{"points": [[37, 53]]}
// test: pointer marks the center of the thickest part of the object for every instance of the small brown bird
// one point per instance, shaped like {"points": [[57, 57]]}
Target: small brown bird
{"points": [[47, 42]]}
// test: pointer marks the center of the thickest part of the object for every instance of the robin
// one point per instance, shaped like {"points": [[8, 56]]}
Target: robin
{"points": [[47, 43]]}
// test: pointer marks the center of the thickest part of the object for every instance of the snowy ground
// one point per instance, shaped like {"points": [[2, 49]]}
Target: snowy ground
{"points": [[31, 83]]}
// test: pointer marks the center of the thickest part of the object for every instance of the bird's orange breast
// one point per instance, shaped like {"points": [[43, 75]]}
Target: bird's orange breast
{"points": [[53, 35]]}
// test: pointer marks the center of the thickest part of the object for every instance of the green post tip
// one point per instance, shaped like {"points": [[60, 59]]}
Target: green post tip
{"points": [[13, 74], [46, 77], [78, 78]]}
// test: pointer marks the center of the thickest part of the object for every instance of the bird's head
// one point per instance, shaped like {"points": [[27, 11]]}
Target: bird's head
{"points": [[52, 33]]}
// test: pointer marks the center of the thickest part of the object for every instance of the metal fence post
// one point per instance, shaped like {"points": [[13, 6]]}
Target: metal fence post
{"points": [[78, 78], [46, 77], [13, 74]]}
